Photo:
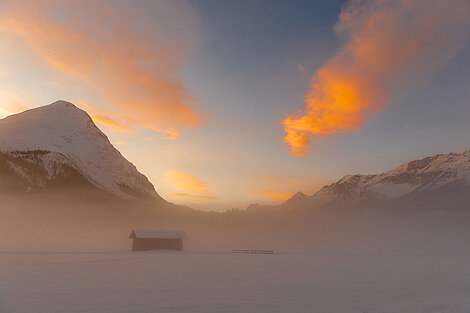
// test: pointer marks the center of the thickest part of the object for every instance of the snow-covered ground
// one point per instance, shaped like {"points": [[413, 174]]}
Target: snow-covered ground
{"points": [[222, 282]]}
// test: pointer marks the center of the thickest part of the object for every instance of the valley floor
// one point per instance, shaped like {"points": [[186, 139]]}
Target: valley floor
{"points": [[222, 282]]}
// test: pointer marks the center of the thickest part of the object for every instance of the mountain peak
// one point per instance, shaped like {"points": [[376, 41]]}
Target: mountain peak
{"points": [[60, 125], [69, 132], [426, 174], [295, 199], [61, 115], [63, 103], [299, 195]]}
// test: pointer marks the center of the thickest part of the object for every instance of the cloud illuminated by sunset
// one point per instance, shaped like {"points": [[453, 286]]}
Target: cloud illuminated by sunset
{"points": [[12, 103], [167, 134], [135, 76], [389, 46], [192, 196], [279, 188], [110, 123], [120, 143], [192, 186], [274, 195]]}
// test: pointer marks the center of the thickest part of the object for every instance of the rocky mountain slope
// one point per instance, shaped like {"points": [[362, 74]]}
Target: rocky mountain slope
{"points": [[59, 145], [424, 175], [416, 177]]}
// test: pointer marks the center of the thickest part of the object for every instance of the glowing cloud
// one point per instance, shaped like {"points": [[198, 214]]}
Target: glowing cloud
{"points": [[168, 134], [390, 46], [194, 187], [11, 103], [119, 143], [111, 52], [187, 195], [110, 123], [278, 188], [275, 195], [17, 105]]}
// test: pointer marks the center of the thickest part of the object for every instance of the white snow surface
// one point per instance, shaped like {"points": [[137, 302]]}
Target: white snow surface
{"points": [[426, 175], [71, 135], [177, 282]]}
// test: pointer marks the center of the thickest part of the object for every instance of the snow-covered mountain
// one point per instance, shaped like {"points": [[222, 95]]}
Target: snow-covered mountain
{"points": [[298, 200], [299, 197], [411, 178], [424, 175], [59, 144]]}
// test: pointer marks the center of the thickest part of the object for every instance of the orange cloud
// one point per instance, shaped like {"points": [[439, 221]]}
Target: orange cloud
{"points": [[11, 102], [195, 187], [119, 143], [274, 195], [282, 187], [389, 46], [168, 134], [103, 117], [107, 119], [110, 123], [187, 195], [134, 72], [17, 105]]}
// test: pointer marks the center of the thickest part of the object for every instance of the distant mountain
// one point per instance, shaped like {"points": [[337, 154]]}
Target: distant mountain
{"points": [[57, 146], [414, 178], [424, 175]]}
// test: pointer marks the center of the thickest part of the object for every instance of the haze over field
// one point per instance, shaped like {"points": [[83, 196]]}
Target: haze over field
{"points": [[61, 175]]}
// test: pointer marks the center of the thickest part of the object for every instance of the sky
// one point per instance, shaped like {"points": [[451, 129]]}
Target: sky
{"points": [[226, 103]]}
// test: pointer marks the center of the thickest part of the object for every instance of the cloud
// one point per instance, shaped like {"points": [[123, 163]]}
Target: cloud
{"points": [[129, 57], [104, 117], [389, 47], [11, 102], [108, 119], [274, 195], [187, 195], [193, 187], [282, 187], [17, 105], [168, 134], [110, 123], [120, 143]]}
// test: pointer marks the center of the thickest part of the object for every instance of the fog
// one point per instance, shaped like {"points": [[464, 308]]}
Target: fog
{"points": [[70, 252], [81, 221]]}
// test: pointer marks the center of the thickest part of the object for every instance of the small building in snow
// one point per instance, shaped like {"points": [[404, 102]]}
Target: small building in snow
{"points": [[156, 239]]}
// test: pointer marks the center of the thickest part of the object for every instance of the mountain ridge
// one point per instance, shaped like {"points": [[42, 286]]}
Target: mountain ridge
{"points": [[60, 135], [417, 176]]}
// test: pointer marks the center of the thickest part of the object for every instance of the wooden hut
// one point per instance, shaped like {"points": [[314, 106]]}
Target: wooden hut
{"points": [[156, 239]]}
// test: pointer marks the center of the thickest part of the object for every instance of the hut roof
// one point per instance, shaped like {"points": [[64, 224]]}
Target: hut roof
{"points": [[158, 233]]}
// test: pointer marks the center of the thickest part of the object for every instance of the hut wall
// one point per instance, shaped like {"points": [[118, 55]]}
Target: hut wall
{"points": [[146, 244]]}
